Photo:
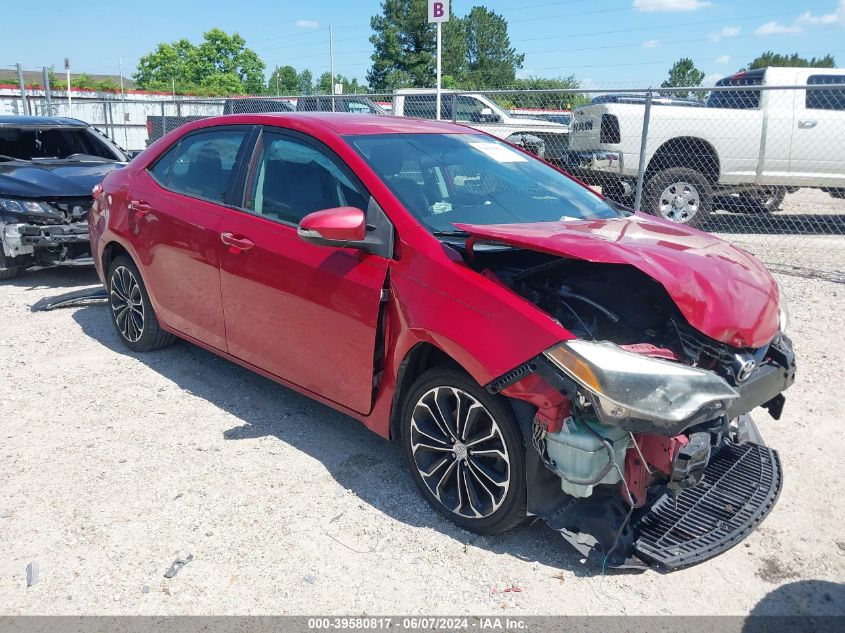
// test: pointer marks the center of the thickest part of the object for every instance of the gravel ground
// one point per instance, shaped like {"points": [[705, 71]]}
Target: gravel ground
{"points": [[114, 465], [808, 231]]}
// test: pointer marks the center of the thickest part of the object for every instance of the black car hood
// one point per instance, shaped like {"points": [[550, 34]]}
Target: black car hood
{"points": [[40, 180]]}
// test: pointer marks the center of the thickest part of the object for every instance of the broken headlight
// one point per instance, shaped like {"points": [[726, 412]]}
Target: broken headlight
{"points": [[631, 385], [26, 207]]}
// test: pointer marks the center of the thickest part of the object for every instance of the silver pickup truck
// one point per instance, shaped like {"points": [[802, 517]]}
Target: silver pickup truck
{"points": [[547, 139]]}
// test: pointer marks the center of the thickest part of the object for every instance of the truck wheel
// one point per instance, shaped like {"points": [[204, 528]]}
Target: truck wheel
{"points": [[764, 200], [679, 194], [6, 273]]}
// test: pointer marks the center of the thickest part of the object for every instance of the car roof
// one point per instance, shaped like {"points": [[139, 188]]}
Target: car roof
{"points": [[35, 121], [341, 123]]}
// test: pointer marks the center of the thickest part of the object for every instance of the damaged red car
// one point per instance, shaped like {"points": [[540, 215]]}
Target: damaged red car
{"points": [[535, 349]]}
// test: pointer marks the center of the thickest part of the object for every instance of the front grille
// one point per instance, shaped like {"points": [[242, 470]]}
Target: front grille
{"points": [[739, 488], [74, 209], [698, 347]]}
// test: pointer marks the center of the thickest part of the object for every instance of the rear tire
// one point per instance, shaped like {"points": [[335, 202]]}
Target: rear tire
{"points": [[465, 452], [767, 200], [679, 194], [131, 311]]}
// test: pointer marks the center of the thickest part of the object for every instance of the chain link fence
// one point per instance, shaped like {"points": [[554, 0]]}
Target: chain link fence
{"points": [[758, 164]]}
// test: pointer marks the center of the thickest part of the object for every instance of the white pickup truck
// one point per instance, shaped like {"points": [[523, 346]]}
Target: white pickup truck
{"points": [[752, 145], [547, 139]]}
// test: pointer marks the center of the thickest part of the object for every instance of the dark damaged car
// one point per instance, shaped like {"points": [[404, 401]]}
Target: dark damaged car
{"points": [[534, 349], [48, 169]]}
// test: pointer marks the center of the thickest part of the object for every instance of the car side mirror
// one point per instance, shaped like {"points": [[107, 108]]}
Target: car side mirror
{"points": [[334, 227]]}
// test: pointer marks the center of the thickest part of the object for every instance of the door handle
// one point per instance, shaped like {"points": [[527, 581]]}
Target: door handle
{"points": [[236, 244], [807, 123], [140, 207]]}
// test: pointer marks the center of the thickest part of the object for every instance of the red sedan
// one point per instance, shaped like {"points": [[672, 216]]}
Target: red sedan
{"points": [[534, 348]]}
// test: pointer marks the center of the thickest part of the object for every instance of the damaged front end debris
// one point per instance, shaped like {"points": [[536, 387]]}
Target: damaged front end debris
{"points": [[641, 451], [44, 233], [626, 498]]}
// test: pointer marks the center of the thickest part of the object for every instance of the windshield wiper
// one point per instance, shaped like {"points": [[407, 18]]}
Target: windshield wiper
{"points": [[450, 234], [7, 157]]}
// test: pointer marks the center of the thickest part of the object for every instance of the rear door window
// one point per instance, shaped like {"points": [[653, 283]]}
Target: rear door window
{"points": [[204, 163], [826, 98], [737, 99]]}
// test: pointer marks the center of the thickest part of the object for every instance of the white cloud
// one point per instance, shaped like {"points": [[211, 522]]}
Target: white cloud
{"points": [[671, 5], [651, 43], [837, 17], [725, 31], [307, 24], [776, 28], [723, 59]]}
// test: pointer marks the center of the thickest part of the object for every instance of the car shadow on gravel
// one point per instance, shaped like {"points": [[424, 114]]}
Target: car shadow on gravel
{"points": [[39, 280], [805, 605], [356, 458], [776, 224]]}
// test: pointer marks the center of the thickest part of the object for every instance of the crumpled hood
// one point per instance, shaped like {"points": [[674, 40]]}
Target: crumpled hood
{"points": [[39, 180], [722, 291]]}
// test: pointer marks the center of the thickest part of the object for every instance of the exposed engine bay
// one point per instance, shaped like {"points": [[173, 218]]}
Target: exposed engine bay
{"points": [[642, 446]]}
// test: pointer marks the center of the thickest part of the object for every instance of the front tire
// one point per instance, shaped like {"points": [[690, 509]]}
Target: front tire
{"points": [[131, 311], [464, 450], [7, 273], [679, 194]]}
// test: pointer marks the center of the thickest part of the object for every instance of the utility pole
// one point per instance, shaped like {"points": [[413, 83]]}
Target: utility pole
{"points": [[24, 101], [45, 77], [67, 73], [123, 102], [331, 64], [438, 12]]}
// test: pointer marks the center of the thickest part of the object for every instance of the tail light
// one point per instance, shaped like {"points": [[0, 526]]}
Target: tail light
{"points": [[610, 132]]}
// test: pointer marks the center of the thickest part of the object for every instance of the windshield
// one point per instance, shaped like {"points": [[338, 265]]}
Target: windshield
{"points": [[33, 143], [474, 179]]}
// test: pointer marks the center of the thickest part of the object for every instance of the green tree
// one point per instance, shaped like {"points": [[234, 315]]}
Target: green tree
{"points": [[283, 81], [324, 84], [770, 58], [683, 73], [220, 64], [476, 48], [490, 61], [305, 82], [551, 100]]}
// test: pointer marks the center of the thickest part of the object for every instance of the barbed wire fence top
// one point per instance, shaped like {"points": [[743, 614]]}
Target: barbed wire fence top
{"points": [[759, 165]]}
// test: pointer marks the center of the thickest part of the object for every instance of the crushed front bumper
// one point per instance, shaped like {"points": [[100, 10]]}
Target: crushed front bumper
{"points": [[28, 245], [676, 525], [740, 486]]}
